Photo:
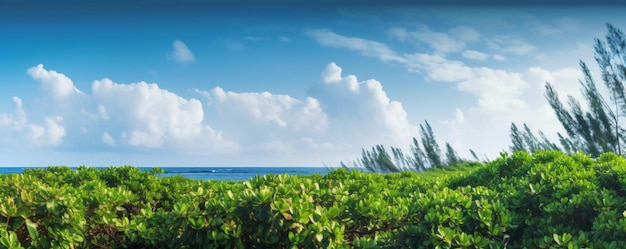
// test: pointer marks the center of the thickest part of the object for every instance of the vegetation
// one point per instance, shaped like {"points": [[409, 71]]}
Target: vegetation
{"points": [[422, 158], [547, 199], [593, 130], [596, 129]]}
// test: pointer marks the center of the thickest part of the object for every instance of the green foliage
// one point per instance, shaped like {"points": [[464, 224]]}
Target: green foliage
{"points": [[545, 200]]}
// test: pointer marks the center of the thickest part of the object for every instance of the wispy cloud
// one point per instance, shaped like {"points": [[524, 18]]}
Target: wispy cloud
{"points": [[475, 55], [465, 33], [499, 57], [507, 44], [329, 38], [442, 43], [182, 53]]}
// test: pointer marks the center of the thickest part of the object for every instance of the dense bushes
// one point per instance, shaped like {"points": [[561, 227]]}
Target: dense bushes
{"points": [[544, 200]]}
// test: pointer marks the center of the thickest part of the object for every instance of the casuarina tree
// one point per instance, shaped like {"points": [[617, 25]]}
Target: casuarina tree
{"points": [[597, 128]]}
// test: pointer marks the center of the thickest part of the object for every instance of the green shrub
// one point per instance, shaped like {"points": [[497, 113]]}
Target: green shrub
{"points": [[544, 200]]}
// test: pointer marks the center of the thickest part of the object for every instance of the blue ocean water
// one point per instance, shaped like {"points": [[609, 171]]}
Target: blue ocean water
{"points": [[216, 173], [238, 173]]}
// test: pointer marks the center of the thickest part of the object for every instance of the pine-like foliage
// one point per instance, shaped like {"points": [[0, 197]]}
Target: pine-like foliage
{"points": [[597, 129], [423, 156], [525, 140]]}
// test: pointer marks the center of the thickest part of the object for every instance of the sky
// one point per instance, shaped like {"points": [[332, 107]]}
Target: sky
{"points": [[161, 83]]}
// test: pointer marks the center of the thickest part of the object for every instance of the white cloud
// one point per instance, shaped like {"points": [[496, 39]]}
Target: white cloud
{"points": [[50, 133], [102, 112], [133, 117], [265, 121], [329, 38], [152, 117], [456, 133], [519, 48], [400, 34], [507, 44], [18, 128], [107, 139], [502, 96], [361, 109], [57, 83], [340, 116], [440, 42], [475, 55], [465, 33], [17, 120], [505, 97], [438, 67], [273, 111], [497, 90], [565, 81], [182, 53], [499, 57]]}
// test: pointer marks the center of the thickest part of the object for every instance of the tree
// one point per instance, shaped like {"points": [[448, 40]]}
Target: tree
{"points": [[597, 129], [517, 138], [424, 156], [451, 157], [433, 152], [525, 140]]}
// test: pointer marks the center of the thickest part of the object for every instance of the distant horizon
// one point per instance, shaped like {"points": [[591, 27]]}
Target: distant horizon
{"points": [[258, 166]]}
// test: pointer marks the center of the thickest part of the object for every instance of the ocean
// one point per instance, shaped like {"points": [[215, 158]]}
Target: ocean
{"points": [[215, 173]]}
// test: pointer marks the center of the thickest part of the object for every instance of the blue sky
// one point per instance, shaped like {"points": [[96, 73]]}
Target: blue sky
{"points": [[194, 84]]}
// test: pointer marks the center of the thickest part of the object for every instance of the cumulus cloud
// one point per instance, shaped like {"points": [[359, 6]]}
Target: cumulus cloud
{"points": [[362, 109], [50, 133], [137, 116], [329, 38], [182, 53], [150, 117], [281, 111], [340, 115], [265, 121], [57, 83]]}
